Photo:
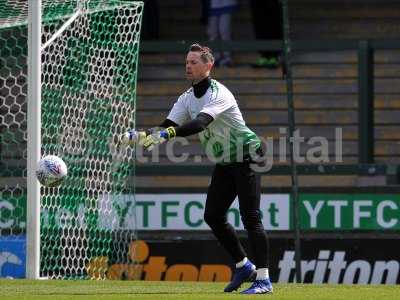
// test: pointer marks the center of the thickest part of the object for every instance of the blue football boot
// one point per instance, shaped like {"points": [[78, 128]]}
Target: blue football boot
{"points": [[240, 275], [263, 286]]}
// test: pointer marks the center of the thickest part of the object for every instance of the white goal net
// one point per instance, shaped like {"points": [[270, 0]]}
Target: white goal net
{"points": [[89, 69]]}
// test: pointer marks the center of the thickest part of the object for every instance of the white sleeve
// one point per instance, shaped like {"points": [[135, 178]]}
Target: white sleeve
{"points": [[179, 113], [217, 105]]}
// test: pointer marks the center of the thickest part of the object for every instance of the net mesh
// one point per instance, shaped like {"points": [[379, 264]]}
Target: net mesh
{"points": [[88, 88]]}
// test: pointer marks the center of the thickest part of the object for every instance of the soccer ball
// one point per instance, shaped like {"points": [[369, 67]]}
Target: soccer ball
{"points": [[51, 171]]}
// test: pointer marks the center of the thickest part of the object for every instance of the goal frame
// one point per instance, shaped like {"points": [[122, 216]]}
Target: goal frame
{"points": [[34, 138], [36, 47]]}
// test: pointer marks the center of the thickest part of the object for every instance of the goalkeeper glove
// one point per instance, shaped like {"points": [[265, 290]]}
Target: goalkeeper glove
{"points": [[132, 137], [158, 137]]}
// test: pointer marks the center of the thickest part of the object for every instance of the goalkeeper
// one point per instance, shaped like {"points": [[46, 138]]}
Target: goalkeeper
{"points": [[209, 109]]}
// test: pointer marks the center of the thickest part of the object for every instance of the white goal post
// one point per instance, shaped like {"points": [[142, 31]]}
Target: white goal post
{"points": [[34, 138]]}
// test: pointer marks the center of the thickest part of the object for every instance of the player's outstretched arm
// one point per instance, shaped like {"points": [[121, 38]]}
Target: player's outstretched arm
{"points": [[158, 135], [194, 126], [137, 137], [189, 128]]}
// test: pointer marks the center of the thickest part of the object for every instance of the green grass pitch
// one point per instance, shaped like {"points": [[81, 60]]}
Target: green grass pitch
{"points": [[63, 289]]}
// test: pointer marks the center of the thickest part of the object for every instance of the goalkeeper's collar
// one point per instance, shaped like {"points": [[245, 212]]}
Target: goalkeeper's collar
{"points": [[199, 89]]}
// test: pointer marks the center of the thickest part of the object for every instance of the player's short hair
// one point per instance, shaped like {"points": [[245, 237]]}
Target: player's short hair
{"points": [[205, 52]]}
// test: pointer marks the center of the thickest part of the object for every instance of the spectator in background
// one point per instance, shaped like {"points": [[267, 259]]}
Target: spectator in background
{"points": [[151, 20], [219, 26], [267, 21]]}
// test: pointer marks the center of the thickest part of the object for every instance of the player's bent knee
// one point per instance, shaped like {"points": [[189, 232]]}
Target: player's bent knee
{"points": [[252, 221]]}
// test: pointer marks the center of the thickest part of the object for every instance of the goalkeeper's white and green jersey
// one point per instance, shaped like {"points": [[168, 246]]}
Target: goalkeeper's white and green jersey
{"points": [[226, 139]]}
